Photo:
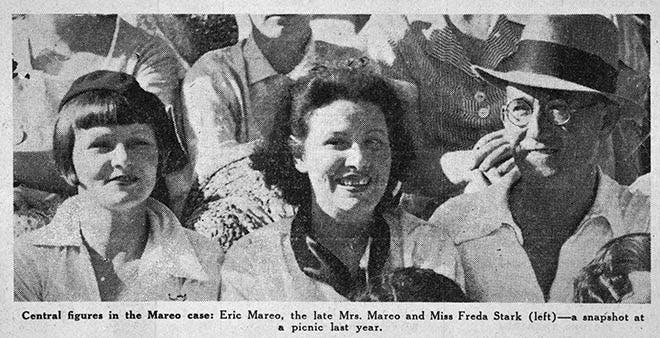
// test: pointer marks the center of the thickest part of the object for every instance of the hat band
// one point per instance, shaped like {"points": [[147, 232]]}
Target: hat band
{"points": [[563, 62]]}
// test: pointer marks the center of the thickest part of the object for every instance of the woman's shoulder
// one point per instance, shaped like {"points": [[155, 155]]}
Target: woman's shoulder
{"points": [[62, 230], [203, 245], [262, 244], [268, 236], [408, 231], [405, 222]]}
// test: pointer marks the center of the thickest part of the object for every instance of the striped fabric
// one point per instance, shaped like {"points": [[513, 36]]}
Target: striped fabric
{"points": [[456, 106]]}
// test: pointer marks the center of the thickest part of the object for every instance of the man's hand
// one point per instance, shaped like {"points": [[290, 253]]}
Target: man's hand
{"points": [[488, 161]]}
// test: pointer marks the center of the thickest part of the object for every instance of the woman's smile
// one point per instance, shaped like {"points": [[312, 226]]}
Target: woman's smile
{"points": [[347, 157], [116, 165], [123, 180], [354, 182]]}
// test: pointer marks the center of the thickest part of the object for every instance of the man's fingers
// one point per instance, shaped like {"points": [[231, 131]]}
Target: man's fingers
{"points": [[481, 153], [506, 166], [496, 157], [489, 138]]}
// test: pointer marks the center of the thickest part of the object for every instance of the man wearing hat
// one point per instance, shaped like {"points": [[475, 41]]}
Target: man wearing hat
{"points": [[525, 239]]}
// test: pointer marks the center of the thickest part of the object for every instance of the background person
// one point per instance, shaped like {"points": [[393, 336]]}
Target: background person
{"points": [[412, 285], [111, 241], [620, 272], [526, 238], [337, 153]]}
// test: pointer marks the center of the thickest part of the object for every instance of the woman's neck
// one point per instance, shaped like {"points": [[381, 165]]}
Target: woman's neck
{"points": [[345, 237], [116, 231]]}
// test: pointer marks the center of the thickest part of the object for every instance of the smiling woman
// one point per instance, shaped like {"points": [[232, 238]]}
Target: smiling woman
{"points": [[112, 242], [337, 153]]}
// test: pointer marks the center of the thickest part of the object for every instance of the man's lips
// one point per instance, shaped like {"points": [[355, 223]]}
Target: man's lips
{"points": [[529, 146], [544, 150]]}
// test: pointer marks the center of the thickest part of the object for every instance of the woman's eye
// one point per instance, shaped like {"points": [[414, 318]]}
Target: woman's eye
{"points": [[102, 147]]}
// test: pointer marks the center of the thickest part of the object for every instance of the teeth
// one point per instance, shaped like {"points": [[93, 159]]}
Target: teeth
{"points": [[354, 181]]}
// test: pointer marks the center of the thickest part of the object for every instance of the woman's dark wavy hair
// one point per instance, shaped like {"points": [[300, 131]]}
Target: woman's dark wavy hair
{"points": [[275, 157], [605, 278]]}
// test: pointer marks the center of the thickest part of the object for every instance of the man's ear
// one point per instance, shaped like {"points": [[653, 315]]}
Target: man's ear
{"points": [[300, 165]]}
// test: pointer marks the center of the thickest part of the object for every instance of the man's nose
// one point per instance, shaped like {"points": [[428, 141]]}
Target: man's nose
{"points": [[539, 124], [355, 156], [119, 155]]}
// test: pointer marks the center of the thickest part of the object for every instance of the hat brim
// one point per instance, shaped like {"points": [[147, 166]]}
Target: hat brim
{"points": [[629, 108]]}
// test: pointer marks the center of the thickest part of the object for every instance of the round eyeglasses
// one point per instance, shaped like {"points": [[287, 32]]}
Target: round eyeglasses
{"points": [[519, 112]]}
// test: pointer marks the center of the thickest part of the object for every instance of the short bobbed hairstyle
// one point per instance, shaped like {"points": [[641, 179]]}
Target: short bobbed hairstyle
{"points": [[275, 157], [103, 107]]}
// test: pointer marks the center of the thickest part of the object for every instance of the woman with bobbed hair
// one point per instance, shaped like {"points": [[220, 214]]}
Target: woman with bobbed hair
{"points": [[112, 241], [337, 153]]}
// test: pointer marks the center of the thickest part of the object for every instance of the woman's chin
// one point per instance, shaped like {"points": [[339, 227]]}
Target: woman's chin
{"points": [[117, 201], [350, 207]]}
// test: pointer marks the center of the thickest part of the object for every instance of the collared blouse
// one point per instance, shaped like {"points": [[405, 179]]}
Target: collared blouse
{"points": [[268, 264], [53, 264], [490, 243]]}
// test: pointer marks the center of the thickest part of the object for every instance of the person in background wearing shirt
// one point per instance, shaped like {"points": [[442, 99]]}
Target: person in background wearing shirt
{"points": [[231, 94], [462, 145], [526, 238]]}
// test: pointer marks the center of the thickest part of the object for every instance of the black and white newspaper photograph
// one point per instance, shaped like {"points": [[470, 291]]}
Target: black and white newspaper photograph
{"points": [[380, 168]]}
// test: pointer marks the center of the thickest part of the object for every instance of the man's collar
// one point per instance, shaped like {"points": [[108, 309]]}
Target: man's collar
{"points": [[168, 247], [491, 210], [258, 68]]}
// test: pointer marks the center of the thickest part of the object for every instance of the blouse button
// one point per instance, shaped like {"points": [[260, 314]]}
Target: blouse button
{"points": [[484, 112], [480, 96]]}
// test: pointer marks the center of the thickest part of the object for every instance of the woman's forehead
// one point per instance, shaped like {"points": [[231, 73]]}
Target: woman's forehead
{"points": [[344, 114]]}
